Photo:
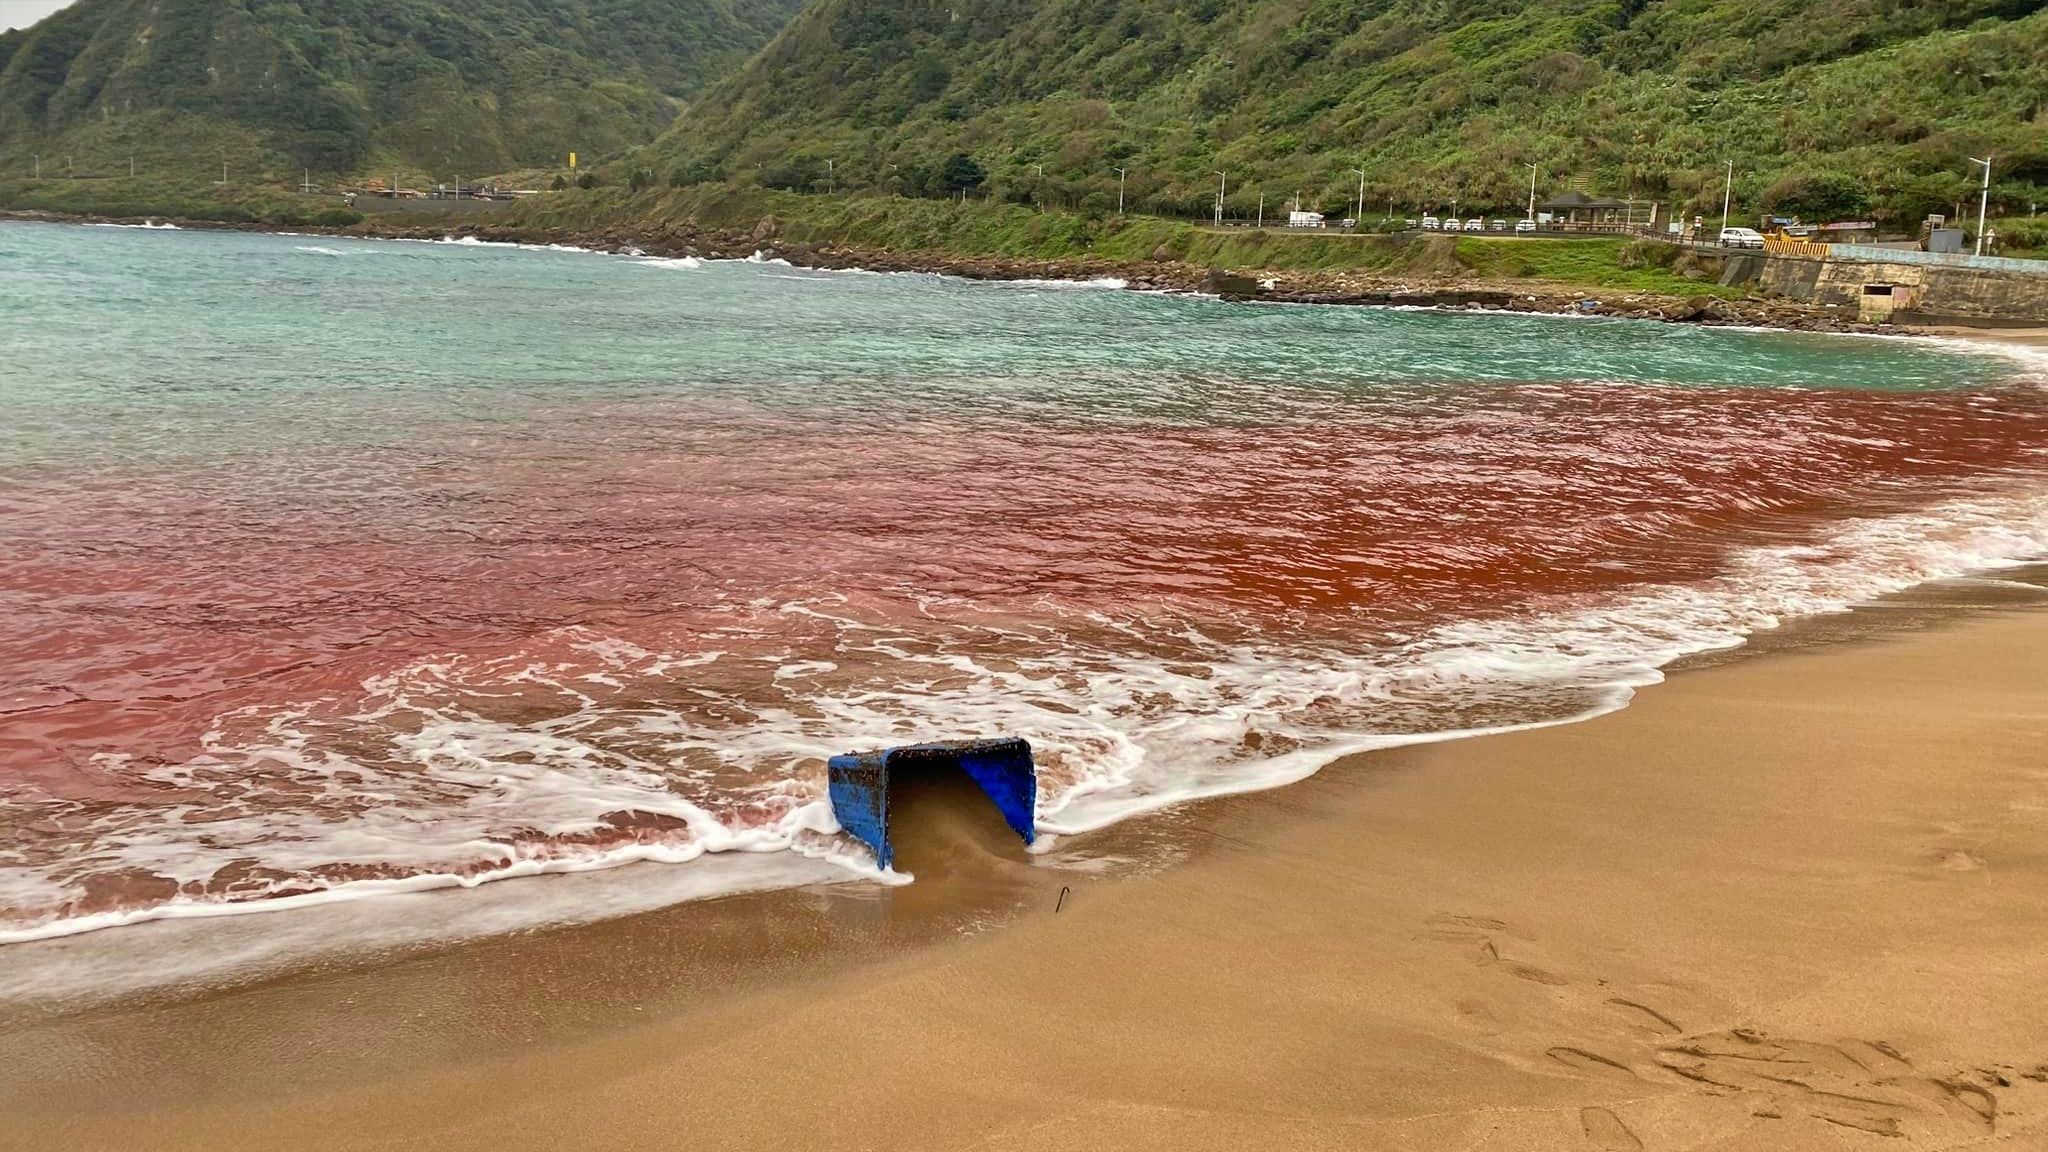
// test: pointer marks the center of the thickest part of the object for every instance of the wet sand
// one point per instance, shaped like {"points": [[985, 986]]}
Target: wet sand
{"points": [[2018, 337], [1795, 901]]}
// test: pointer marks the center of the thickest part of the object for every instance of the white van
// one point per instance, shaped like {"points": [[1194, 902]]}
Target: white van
{"points": [[1741, 238], [1431, 224]]}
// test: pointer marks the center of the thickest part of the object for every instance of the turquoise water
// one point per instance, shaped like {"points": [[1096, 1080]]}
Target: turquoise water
{"points": [[342, 567], [254, 337]]}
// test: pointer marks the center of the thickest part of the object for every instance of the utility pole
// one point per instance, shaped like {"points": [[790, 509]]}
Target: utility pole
{"points": [[1727, 195], [1038, 191], [1532, 192], [1222, 185], [39, 165], [1262, 210], [1983, 200], [828, 177], [1361, 198], [131, 167], [1119, 191]]}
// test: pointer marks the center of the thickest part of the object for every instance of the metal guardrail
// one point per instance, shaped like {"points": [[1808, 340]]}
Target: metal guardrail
{"points": [[1792, 246]]}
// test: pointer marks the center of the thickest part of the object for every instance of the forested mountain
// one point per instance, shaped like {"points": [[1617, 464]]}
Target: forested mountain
{"points": [[444, 86], [1830, 107]]}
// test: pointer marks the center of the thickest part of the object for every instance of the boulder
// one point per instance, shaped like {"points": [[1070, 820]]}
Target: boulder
{"points": [[1230, 285]]}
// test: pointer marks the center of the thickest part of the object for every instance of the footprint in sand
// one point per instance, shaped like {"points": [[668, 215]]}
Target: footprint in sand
{"points": [[1605, 1130], [1864, 1085], [1591, 1063], [1645, 1017], [1539, 975]]}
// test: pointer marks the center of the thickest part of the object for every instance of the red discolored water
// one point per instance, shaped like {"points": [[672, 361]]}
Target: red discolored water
{"points": [[634, 628]]}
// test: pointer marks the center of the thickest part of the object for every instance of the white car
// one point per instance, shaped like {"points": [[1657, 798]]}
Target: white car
{"points": [[1525, 225], [1499, 226], [1475, 225], [1741, 238], [1430, 224]]}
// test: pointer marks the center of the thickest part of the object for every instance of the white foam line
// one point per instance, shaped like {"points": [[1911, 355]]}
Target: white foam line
{"points": [[1295, 767], [179, 909], [80, 970]]}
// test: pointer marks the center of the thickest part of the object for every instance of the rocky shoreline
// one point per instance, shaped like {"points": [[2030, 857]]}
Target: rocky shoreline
{"points": [[1281, 286]]}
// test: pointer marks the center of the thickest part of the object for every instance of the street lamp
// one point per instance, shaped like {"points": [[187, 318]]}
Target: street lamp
{"points": [[1038, 191], [1983, 200], [1361, 197], [1119, 191], [1727, 194], [1532, 192], [1222, 186]]}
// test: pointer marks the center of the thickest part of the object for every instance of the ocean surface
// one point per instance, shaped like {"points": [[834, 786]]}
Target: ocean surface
{"points": [[336, 568]]}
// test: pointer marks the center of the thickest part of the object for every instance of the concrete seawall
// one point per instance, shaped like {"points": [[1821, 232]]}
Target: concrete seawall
{"points": [[1887, 289]]}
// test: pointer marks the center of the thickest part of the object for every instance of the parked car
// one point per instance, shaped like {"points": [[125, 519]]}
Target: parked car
{"points": [[1499, 226], [1741, 238], [1430, 224], [1475, 225], [1408, 223], [1525, 225]]}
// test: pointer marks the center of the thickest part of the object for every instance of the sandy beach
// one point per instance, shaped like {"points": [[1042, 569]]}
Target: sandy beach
{"points": [[1794, 900]]}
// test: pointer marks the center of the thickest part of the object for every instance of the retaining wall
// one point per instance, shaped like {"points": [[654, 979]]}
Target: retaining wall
{"points": [[1934, 288]]}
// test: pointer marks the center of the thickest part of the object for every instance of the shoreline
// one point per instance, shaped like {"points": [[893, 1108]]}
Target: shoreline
{"points": [[685, 239], [1285, 912], [417, 884]]}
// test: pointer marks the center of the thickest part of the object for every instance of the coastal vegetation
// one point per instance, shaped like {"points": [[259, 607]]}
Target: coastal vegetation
{"points": [[993, 228], [271, 88], [143, 199], [1825, 109]]}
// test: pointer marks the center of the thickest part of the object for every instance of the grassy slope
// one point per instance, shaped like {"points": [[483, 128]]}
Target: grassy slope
{"points": [[992, 228], [1432, 100], [149, 199], [439, 87], [902, 225]]}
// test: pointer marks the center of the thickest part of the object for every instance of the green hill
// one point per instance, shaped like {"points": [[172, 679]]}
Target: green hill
{"points": [[443, 87], [1826, 107]]}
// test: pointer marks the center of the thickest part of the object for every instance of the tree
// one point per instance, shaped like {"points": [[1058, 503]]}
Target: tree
{"points": [[961, 173], [1818, 196]]}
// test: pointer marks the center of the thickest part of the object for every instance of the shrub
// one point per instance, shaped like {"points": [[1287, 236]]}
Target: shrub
{"points": [[1818, 196], [1646, 253]]}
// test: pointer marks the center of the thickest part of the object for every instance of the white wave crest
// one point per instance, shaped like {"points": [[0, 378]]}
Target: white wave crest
{"points": [[679, 263], [1110, 282]]}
